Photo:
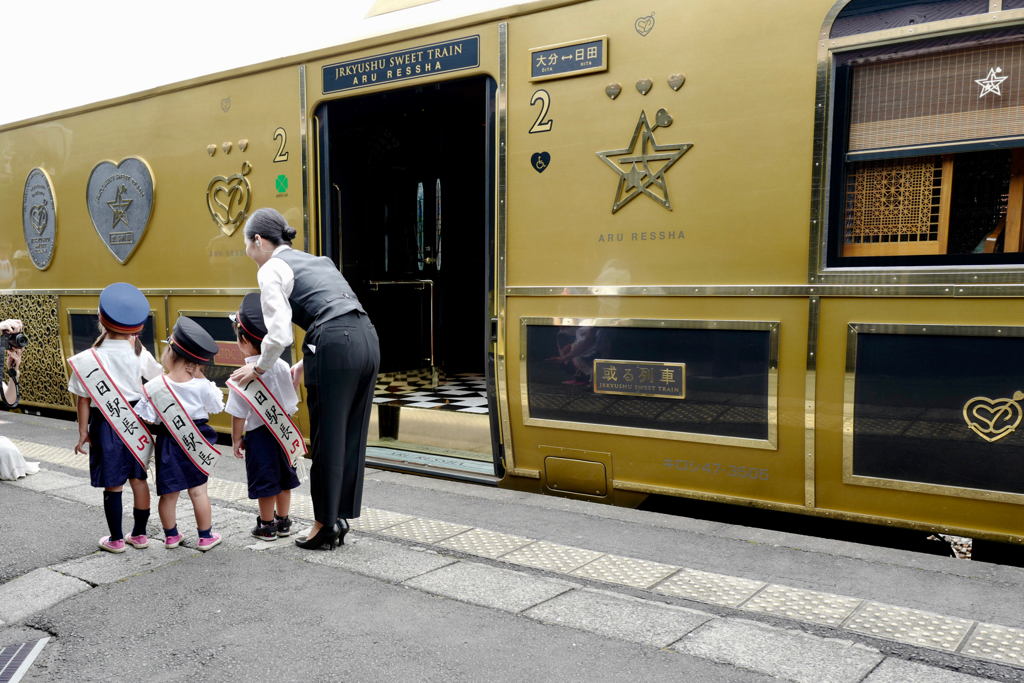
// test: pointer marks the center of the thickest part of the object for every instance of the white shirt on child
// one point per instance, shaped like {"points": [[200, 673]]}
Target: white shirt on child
{"points": [[279, 380], [199, 397], [126, 369]]}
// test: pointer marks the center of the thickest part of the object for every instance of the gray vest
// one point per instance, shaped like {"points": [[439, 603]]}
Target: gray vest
{"points": [[321, 293]]}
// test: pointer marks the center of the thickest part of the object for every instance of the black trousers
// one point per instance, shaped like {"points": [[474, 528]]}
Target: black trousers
{"points": [[340, 377]]}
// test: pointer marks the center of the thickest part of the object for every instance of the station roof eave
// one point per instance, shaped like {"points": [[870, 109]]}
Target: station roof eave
{"points": [[359, 44]]}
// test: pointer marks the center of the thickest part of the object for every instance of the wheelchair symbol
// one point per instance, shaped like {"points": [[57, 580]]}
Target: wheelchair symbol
{"points": [[540, 161]]}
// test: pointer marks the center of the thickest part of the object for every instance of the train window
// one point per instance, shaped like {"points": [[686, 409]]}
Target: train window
{"points": [[927, 163], [84, 326]]}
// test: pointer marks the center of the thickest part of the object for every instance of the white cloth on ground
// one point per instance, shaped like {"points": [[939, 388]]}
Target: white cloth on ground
{"points": [[12, 464], [124, 367], [199, 397], [279, 380]]}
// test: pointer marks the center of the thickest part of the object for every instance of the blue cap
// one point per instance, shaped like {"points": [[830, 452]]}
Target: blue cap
{"points": [[123, 308]]}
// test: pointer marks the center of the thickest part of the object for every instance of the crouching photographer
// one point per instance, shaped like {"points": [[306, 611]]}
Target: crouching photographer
{"points": [[12, 343]]}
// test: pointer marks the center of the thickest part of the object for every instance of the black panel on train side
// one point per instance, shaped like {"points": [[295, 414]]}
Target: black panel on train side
{"points": [[908, 416]]}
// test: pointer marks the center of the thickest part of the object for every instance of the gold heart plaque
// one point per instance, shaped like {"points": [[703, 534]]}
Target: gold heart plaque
{"points": [[242, 144], [226, 147], [612, 90], [211, 149], [643, 86], [675, 81], [228, 199], [993, 419]]}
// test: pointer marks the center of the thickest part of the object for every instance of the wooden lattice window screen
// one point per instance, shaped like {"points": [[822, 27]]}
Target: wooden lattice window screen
{"points": [[898, 207]]}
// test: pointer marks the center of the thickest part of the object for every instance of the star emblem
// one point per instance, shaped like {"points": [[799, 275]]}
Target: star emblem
{"points": [[991, 82], [120, 208], [638, 174]]}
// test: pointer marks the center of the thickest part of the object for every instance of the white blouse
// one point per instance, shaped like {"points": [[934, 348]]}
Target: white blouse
{"points": [[279, 380], [199, 397], [276, 280], [126, 369]]}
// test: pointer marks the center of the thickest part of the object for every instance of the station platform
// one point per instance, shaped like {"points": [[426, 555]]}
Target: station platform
{"points": [[444, 580]]}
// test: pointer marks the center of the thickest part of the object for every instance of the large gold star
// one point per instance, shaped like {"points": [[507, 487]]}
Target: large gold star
{"points": [[636, 180], [120, 208]]}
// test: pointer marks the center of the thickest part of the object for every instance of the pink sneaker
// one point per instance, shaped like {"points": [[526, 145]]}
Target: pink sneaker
{"points": [[138, 542], [207, 543], [172, 541], [111, 546]]}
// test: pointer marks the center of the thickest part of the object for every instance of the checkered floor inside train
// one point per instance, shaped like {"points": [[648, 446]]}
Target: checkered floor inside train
{"points": [[463, 393]]}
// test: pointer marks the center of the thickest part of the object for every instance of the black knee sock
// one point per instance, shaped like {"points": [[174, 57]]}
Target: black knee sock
{"points": [[112, 511], [141, 520]]}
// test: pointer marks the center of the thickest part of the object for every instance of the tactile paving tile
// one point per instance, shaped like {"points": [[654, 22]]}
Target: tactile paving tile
{"points": [[485, 543], [224, 489], [717, 589], [551, 556], [997, 644], [924, 629], [372, 519], [425, 530], [301, 507], [625, 571], [804, 605], [52, 454]]}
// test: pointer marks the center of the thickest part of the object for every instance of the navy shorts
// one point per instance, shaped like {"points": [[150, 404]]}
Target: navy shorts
{"points": [[266, 465], [111, 464], [174, 470]]}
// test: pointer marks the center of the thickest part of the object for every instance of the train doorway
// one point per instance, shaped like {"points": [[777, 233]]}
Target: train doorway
{"points": [[406, 187]]}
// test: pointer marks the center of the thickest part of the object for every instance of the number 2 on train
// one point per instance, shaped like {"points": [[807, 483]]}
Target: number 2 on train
{"points": [[540, 125], [281, 154]]}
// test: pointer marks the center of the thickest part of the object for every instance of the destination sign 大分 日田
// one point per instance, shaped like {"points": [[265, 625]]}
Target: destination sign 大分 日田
{"points": [[640, 378], [569, 59], [415, 62]]}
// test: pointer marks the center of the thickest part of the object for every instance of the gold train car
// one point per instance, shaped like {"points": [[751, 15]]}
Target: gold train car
{"points": [[771, 257]]}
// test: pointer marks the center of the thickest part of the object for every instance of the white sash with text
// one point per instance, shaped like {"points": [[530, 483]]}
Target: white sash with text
{"points": [[200, 451], [111, 403], [273, 415]]}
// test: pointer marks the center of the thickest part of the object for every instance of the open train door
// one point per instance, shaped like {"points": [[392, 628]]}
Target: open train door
{"points": [[406, 195]]}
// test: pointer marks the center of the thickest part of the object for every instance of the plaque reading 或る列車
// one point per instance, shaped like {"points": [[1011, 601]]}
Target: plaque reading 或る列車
{"points": [[666, 380], [416, 62], [569, 59]]}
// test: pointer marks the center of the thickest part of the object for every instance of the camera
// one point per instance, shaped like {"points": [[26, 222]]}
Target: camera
{"points": [[13, 340]]}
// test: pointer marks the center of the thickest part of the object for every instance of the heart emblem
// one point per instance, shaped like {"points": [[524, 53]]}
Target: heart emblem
{"points": [[540, 161], [662, 119], [211, 149], [225, 104], [120, 200], [644, 25], [39, 217], [242, 144], [612, 90], [993, 419], [643, 86], [675, 81], [228, 199], [226, 147]]}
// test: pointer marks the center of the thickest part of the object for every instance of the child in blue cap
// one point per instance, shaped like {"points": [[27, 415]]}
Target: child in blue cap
{"points": [[108, 382]]}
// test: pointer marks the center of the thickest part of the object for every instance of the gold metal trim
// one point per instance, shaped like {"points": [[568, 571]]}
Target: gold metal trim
{"points": [[810, 393], [823, 115], [212, 291], [305, 157], [816, 512], [207, 314], [947, 289], [500, 239], [581, 72], [772, 327], [849, 385], [96, 312], [526, 474]]}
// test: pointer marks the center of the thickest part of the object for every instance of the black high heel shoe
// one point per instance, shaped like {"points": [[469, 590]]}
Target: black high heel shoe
{"points": [[326, 535], [343, 524]]}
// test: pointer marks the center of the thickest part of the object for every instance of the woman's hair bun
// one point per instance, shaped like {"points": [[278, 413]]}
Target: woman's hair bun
{"points": [[288, 233]]}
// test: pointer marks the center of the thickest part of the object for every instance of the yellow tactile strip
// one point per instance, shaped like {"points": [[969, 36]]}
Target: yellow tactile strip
{"points": [[989, 642]]}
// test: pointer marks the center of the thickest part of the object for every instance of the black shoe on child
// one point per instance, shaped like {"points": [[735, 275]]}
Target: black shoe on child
{"points": [[284, 525], [266, 531]]}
